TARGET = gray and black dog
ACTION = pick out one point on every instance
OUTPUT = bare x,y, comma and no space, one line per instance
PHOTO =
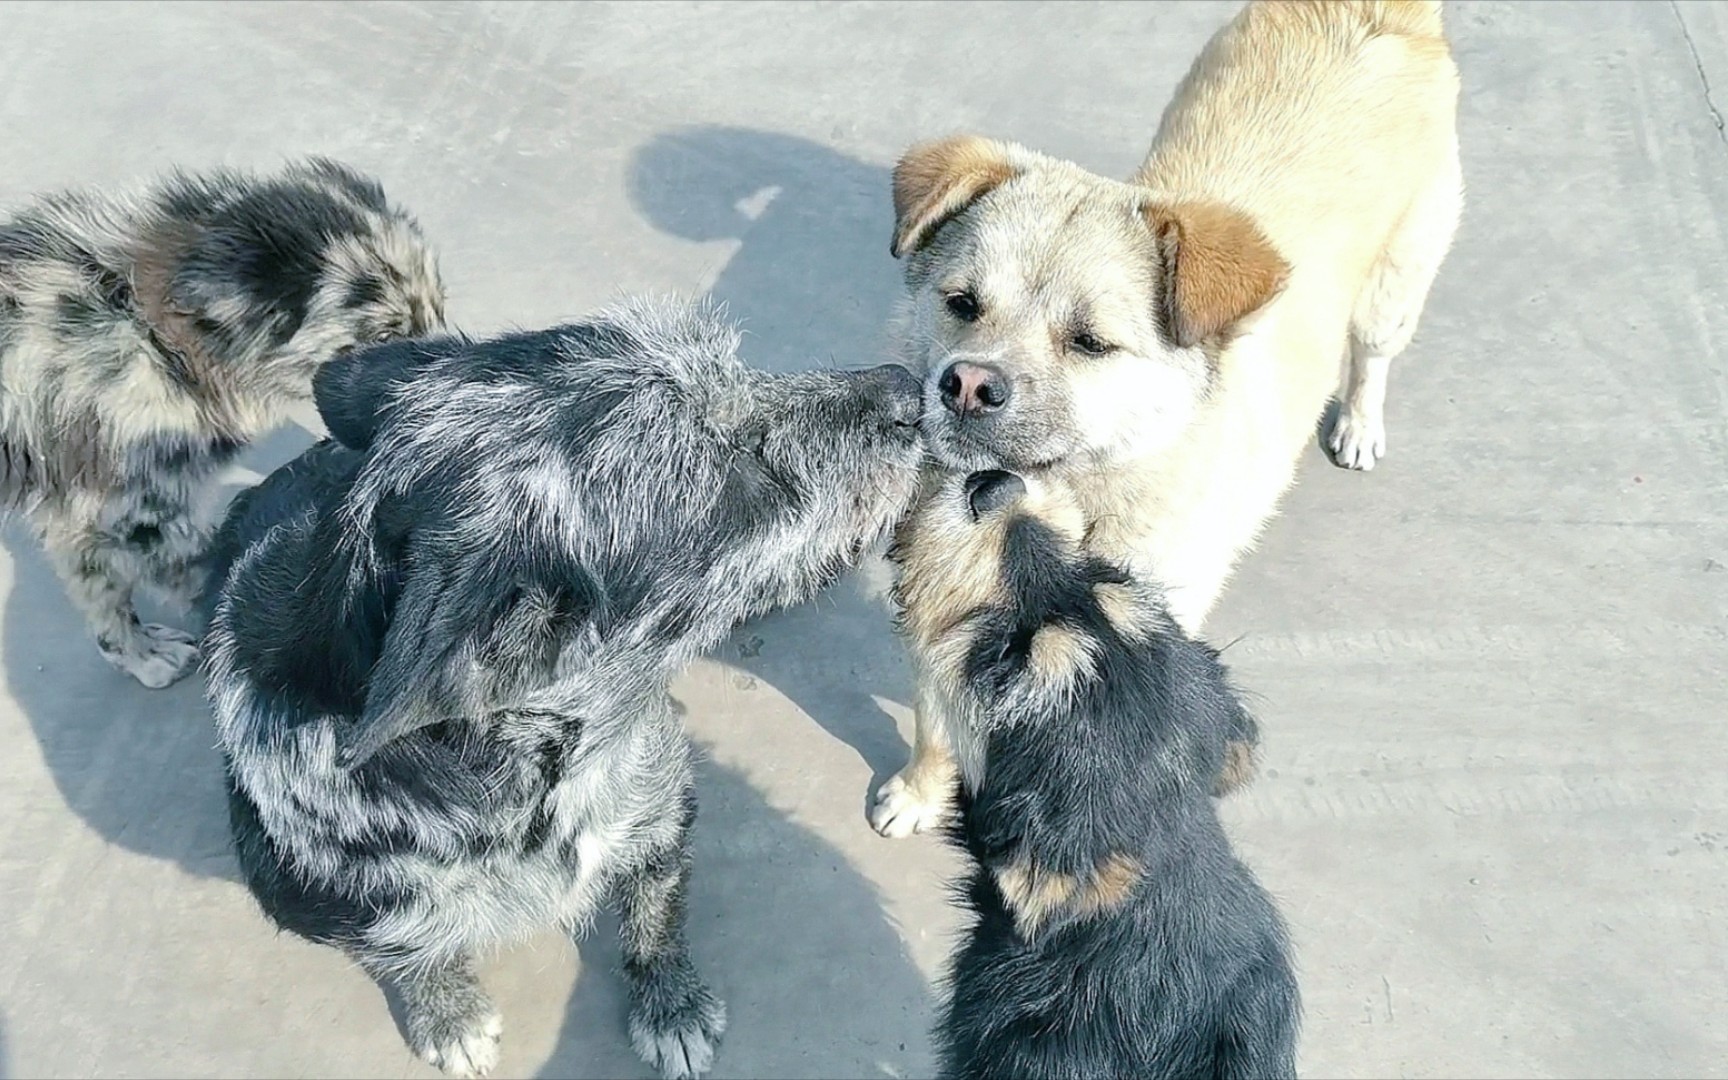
440,646
145,340
1115,934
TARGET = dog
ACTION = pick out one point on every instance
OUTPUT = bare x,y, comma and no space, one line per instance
440,644
1114,934
145,340
1166,346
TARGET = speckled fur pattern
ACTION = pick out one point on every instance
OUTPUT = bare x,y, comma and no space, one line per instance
441,644
145,339
1113,933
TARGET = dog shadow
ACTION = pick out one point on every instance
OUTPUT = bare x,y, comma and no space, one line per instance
816,980
138,766
811,280
813,284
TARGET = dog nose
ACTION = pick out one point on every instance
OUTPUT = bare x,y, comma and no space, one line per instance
897,389
970,389
992,490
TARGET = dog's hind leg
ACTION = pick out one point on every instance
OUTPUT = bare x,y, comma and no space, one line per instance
451,1022
919,796
1257,1040
100,557
1386,314
675,1020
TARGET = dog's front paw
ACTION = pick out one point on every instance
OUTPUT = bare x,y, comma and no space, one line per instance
1357,440
679,1036
157,657
462,1044
903,808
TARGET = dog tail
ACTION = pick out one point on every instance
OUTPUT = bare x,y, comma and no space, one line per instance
1412,18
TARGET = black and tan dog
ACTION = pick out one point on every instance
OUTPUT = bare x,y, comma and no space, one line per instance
1116,933
146,339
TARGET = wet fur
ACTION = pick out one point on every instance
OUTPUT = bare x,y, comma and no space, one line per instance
1114,933
441,644
146,339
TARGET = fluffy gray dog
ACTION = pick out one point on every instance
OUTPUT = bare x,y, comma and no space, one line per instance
145,340
440,648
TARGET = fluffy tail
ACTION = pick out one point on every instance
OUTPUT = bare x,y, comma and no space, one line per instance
1415,18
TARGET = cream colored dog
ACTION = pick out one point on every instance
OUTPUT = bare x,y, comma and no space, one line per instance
1165,346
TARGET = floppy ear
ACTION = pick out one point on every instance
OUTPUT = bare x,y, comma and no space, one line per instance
463,641
352,391
936,180
1219,268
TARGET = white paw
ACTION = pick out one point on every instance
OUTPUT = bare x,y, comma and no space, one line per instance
901,809
682,1053
1357,441
161,657
471,1052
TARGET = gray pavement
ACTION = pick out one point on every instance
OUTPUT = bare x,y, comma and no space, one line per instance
1491,672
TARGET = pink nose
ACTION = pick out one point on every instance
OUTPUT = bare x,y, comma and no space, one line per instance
970,389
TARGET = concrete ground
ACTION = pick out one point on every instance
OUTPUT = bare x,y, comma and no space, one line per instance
1491,672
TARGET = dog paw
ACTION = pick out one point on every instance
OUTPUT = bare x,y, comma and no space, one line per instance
901,809
679,1040
1357,441
466,1046
159,656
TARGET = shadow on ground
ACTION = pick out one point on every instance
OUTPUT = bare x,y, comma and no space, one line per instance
815,979
137,766
813,284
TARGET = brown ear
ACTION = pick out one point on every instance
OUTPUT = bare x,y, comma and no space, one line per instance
936,180
1219,268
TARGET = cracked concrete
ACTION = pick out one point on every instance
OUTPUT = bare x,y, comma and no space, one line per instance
1491,672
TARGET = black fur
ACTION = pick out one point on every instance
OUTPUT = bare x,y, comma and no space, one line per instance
1185,975
441,642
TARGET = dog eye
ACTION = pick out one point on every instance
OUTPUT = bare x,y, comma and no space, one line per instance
963,305
754,443
1090,344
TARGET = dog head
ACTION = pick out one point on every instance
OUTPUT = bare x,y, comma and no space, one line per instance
1018,623
997,591
537,504
1058,315
276,275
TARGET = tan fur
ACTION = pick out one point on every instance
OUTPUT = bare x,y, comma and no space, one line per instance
1218,268
1240,765
938,179
1036,895
1298,200
1060,655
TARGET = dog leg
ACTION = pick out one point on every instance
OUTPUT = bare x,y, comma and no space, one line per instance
99,568
919,796
451,1022
1386,315
1258,1038
675,1020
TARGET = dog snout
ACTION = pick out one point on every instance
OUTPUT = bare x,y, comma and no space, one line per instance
992,490
973,390
897,390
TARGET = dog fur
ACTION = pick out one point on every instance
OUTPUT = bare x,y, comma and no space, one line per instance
441,646
1165,346
144,341
1114,934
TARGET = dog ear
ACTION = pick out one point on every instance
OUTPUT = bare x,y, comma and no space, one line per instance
463,641
934,181
353,390
1219,268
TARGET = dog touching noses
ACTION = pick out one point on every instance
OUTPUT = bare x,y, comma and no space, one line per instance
897,389
992,490
970,389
